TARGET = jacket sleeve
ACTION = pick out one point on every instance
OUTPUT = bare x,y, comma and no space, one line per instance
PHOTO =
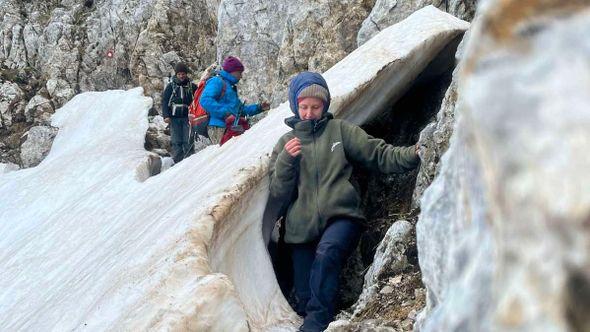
165,98
374,153
282,172
252,109
209,98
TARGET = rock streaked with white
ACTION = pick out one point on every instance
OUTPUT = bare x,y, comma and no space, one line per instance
277,39
503,237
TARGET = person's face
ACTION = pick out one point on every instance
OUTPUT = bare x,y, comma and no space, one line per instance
181,75
311,108
237,74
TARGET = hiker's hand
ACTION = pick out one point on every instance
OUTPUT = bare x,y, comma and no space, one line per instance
265,106
417,149
167,120
293,147
191,117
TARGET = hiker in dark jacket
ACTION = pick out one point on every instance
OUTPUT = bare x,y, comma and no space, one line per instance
176,99
310,169
220,98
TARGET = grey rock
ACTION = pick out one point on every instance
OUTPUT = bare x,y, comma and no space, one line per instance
156,139
503,230
386,290
389,258
39,110
364,326
389,12
276,39
68,42
37,145
11,103
60,91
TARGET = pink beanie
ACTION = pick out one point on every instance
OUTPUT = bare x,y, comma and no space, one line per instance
232,64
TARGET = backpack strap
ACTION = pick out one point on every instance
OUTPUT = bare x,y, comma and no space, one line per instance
173,94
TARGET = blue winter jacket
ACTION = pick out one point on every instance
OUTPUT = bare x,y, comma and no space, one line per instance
218,107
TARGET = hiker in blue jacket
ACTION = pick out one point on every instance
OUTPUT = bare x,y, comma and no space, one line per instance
220,98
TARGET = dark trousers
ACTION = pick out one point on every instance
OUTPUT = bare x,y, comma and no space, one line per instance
179,138
317,269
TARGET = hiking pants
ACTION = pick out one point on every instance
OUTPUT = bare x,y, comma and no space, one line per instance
317,269
179,138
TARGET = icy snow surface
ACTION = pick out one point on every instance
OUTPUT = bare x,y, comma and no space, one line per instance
84,245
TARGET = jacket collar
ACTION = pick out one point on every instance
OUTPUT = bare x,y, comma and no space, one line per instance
228,77
308,127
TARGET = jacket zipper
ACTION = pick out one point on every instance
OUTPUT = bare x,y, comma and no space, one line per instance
317,187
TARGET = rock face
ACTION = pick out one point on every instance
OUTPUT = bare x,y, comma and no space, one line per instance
37,145
435,138
276,39
11,103
388,12
390,259
60,48
39,110
98,45
503,237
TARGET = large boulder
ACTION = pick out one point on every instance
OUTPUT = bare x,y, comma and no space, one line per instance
503,237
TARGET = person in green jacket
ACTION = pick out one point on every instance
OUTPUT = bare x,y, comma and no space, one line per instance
310,172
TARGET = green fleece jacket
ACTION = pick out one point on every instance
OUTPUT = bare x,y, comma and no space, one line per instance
315,186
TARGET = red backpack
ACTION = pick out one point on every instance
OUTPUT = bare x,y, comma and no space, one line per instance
196,113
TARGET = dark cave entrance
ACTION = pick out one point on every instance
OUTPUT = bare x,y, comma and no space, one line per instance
388,198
